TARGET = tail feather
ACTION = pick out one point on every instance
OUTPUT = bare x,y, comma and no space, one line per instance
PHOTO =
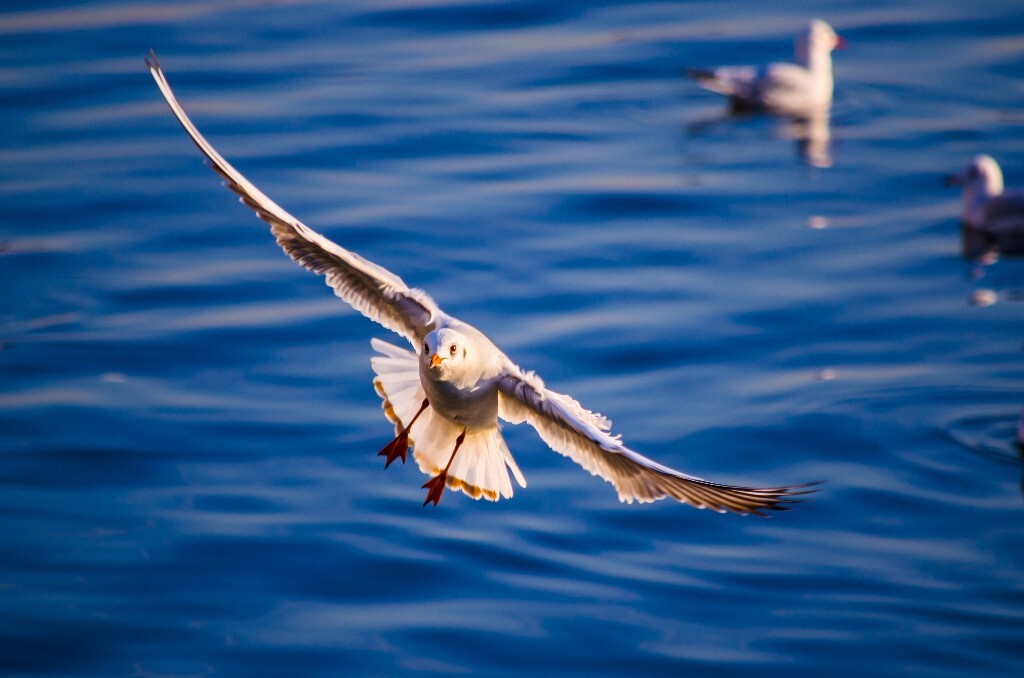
397,382
742,82
481,467
711,79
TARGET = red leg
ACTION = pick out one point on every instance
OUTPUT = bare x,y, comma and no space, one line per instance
399,447
435,486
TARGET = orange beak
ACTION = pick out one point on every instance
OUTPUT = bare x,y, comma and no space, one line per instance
436,360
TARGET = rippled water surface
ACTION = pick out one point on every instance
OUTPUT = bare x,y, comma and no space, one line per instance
188,479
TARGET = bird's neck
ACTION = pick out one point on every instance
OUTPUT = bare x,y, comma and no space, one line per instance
819,63
993,185
820,67
974,199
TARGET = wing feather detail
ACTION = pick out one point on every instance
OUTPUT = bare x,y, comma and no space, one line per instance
372,290
585,437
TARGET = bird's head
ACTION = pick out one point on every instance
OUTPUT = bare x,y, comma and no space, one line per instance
819,39
982,175
981,179
444,351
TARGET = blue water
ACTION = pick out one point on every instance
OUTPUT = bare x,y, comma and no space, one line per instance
188,479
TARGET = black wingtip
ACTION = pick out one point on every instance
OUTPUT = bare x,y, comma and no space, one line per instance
806,488
699,73
785,498
797,491
151,61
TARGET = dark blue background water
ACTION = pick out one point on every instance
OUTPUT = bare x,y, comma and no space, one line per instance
188,479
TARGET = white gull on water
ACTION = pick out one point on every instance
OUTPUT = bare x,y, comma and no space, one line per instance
781,87
446,395
985,205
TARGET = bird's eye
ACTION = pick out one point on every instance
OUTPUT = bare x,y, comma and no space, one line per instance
454,349
426,348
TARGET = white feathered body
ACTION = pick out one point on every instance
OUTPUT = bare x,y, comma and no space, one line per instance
404,380
467,396
780,87
777,87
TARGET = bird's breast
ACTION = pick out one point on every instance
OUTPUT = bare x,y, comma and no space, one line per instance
473,407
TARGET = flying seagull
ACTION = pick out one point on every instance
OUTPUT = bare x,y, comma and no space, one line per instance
446,395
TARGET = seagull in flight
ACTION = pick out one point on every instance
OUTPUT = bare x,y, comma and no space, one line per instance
446,395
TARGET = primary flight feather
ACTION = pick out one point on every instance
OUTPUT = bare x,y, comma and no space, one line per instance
446,395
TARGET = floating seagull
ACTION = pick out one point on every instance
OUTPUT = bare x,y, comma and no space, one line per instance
781,87
985,206
446,395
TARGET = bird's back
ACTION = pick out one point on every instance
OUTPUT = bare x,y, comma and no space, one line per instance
1004,213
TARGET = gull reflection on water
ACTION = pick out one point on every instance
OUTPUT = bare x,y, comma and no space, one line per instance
986,246
813,137
984,250
809,128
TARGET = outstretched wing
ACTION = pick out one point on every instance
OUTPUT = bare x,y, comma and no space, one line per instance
372,290
586,438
